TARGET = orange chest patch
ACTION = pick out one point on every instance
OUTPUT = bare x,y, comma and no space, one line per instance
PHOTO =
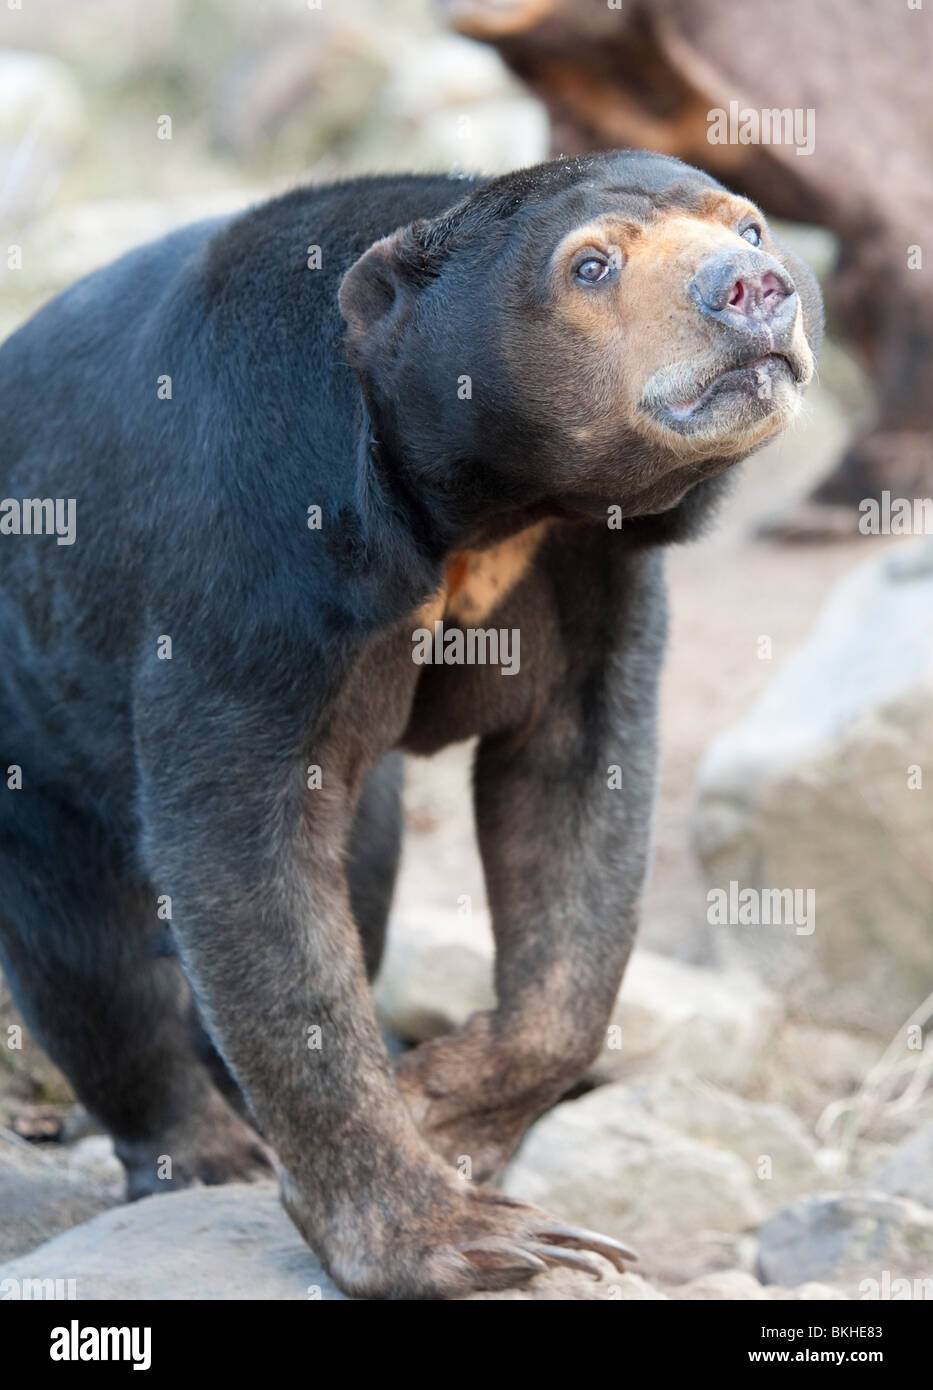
476,581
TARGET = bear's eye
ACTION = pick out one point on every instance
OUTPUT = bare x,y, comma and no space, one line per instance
752,234
592,270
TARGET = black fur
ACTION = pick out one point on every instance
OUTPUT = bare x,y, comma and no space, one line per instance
291,647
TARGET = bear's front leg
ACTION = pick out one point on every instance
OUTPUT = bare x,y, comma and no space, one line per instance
563,813
261,912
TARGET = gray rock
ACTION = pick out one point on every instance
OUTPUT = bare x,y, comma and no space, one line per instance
777,1147
436,972
671,1016
847,1239
233,1243
94,1154
811,792
907,1171
41,1195
230,1242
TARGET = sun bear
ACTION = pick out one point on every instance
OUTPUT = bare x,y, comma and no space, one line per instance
292,440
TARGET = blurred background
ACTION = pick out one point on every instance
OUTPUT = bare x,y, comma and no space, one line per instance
797,743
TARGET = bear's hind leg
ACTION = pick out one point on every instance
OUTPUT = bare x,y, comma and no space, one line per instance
82,951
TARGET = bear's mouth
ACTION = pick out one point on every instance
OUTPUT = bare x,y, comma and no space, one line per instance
760,374
733,398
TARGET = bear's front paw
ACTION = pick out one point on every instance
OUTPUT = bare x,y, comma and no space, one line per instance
444,1240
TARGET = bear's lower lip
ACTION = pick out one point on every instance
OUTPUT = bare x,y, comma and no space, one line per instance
747,376
740,387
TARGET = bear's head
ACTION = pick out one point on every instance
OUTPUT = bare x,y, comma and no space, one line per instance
608,331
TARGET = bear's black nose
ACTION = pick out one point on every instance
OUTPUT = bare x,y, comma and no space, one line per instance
736,286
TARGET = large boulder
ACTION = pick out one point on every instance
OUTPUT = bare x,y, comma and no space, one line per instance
825,788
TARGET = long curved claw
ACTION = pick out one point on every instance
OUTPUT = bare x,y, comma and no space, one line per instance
576,1238
574,1259
500,1255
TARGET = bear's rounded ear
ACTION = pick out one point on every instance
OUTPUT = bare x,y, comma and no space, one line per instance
381,281
369,288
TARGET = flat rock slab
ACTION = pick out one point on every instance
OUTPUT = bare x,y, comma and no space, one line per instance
232,1242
